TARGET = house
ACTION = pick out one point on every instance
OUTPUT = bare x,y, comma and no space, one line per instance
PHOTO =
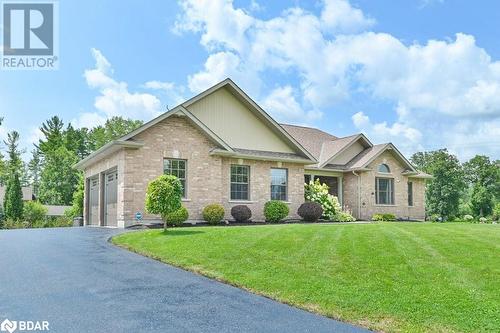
226,149
27,191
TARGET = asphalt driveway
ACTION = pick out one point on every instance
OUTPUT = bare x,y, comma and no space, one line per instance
79,282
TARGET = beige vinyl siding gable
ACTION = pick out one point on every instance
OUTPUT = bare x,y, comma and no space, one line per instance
234,123
348,154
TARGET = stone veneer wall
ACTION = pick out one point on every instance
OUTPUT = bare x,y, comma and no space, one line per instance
367,179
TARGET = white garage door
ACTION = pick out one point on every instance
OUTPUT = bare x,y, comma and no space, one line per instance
110,198
94,201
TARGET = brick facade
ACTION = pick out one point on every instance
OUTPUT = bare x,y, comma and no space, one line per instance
367,191
208,176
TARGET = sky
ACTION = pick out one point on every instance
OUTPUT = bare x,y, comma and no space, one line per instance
422,74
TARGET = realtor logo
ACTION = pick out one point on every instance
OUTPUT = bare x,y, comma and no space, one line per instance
29,35
8,326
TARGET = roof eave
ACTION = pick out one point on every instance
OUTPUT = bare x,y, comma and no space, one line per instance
233,154
106,150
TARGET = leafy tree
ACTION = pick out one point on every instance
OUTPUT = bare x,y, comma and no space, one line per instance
444,190
113,129
13,200
481,200
163,196
77,206
483,177
77,141
58,179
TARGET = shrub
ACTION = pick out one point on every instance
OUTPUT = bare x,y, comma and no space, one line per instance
496,212
384,217
241,213
163,196
310,211
435,218
178,217
34,211
275,210
344,217
317,192
213,213
14,224
468,218
483,219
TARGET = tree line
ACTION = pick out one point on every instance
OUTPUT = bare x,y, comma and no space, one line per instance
50,169
459,189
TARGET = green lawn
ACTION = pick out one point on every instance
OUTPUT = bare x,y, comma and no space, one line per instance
387,276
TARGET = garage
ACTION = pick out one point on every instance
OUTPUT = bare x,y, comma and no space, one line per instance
94,201
110,198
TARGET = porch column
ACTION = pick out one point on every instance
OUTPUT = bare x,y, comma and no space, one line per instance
340,179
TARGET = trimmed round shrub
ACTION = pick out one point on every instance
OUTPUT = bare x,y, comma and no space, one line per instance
213,213
310,211
177,218
275,211
241,213
163,195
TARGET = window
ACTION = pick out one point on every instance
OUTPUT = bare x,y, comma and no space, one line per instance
279,183
176,168
240,178
384,191
410,193
384,168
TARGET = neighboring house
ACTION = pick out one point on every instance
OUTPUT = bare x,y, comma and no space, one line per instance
226,149
28,193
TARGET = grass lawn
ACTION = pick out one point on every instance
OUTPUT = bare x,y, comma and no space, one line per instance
409,277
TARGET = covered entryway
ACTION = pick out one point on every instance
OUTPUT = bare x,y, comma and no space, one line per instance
334,183
110,198
93,213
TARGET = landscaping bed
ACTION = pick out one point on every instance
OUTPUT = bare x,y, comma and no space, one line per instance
385,276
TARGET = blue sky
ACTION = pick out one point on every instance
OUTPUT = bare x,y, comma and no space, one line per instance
421,74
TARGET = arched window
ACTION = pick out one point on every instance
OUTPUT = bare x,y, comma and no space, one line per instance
384,168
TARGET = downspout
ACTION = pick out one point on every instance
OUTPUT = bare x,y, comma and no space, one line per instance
359,194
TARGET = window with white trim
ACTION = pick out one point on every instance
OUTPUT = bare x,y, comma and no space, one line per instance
279,184
176,167
384,191
240,180
384,168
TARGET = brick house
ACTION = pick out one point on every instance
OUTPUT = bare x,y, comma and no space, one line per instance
226,149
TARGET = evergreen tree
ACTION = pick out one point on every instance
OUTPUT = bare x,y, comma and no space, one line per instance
35,170
52,131
13,201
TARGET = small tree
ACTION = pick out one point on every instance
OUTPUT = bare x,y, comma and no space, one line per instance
163,196
13,201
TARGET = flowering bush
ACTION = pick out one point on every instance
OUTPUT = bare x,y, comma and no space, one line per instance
468,218
317,192
483,219
344,217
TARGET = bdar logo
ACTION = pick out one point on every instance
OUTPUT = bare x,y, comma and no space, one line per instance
8,326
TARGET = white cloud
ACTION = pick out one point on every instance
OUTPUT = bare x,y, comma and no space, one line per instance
115,98
283,106
173,92
88,120
338,16
334,57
